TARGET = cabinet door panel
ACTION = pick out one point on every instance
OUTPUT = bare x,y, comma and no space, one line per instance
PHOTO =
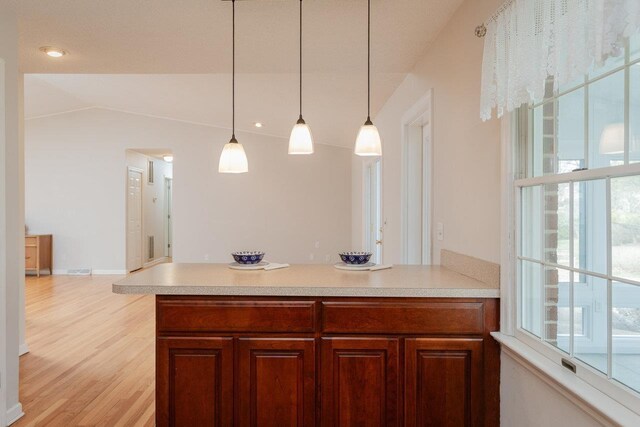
443,382
276,381
360,382
194,381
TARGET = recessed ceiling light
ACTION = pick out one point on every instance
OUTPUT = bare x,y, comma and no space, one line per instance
53,52
168,158
258,124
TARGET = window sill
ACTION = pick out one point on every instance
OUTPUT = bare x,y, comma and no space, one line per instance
593,401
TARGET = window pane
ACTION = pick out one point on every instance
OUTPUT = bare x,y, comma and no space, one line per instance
530,291
556,293
634,113
530,234
611,63
625,227
626,334
606,121
570,128
635,47
591,347
557,220
590,226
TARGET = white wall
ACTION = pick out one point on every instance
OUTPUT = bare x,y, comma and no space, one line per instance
11,224
527,401
75,189
466,151
153,201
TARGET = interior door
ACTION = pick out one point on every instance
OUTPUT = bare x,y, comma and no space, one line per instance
134,220
169,223
373,210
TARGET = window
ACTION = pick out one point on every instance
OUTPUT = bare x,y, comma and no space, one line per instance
578,228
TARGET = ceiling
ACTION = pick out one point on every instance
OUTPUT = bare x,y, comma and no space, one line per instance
172,58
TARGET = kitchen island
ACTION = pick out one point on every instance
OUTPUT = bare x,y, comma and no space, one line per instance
312,345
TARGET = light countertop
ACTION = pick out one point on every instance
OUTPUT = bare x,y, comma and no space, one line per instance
304,280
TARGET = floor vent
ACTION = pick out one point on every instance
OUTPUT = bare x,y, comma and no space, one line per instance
79,272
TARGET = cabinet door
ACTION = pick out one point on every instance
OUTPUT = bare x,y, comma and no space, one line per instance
276,382
360,384
194,381
443,382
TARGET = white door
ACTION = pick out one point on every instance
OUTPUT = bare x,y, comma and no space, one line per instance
373,210
134,220
417,192
169,220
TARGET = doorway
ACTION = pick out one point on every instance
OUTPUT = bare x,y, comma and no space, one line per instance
374,227
168,196
416,183
134,219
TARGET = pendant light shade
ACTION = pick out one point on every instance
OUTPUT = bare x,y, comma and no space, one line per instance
368,142
301,140
233,158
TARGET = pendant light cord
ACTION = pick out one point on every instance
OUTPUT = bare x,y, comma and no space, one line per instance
233,70
300,59
369,60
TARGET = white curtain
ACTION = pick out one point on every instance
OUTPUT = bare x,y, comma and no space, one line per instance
529,40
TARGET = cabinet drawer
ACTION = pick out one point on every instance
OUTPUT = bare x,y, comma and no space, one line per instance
30,240
235,316
30,256
439,318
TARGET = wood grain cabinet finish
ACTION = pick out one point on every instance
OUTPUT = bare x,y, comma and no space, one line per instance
443,382
267,361
276,382
38,253
360,384
194,382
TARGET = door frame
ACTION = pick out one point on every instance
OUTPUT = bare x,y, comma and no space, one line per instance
421,111
369,243
3,247
168,222
126,216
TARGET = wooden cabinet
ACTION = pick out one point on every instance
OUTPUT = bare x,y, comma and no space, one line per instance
245,361
194,382
443,382
276,382
38,253
360,384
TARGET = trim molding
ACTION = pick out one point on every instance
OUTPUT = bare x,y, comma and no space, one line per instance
592,401
156,261
23,349
14,414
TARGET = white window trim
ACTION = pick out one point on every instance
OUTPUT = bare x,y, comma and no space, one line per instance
608,402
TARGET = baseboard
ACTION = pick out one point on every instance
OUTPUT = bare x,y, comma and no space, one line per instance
14,414
108,272
156,261
23,349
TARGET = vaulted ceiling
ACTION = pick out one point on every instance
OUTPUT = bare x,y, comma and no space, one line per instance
172,58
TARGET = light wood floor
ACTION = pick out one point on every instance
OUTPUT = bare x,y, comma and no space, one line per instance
91,354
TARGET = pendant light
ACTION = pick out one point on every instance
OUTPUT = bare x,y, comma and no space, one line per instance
233,158
301,141
368,141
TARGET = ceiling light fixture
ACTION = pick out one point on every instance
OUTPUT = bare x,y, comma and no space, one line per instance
301,140
233,158
53,52
258,124
368,141
168,158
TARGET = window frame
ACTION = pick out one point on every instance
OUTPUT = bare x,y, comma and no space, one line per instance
521,175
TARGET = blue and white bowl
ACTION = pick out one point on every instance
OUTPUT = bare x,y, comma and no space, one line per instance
355,258
248,257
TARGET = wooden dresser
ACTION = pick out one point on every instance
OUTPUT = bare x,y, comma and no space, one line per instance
38,254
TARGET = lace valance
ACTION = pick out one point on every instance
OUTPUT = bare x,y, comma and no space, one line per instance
529,40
